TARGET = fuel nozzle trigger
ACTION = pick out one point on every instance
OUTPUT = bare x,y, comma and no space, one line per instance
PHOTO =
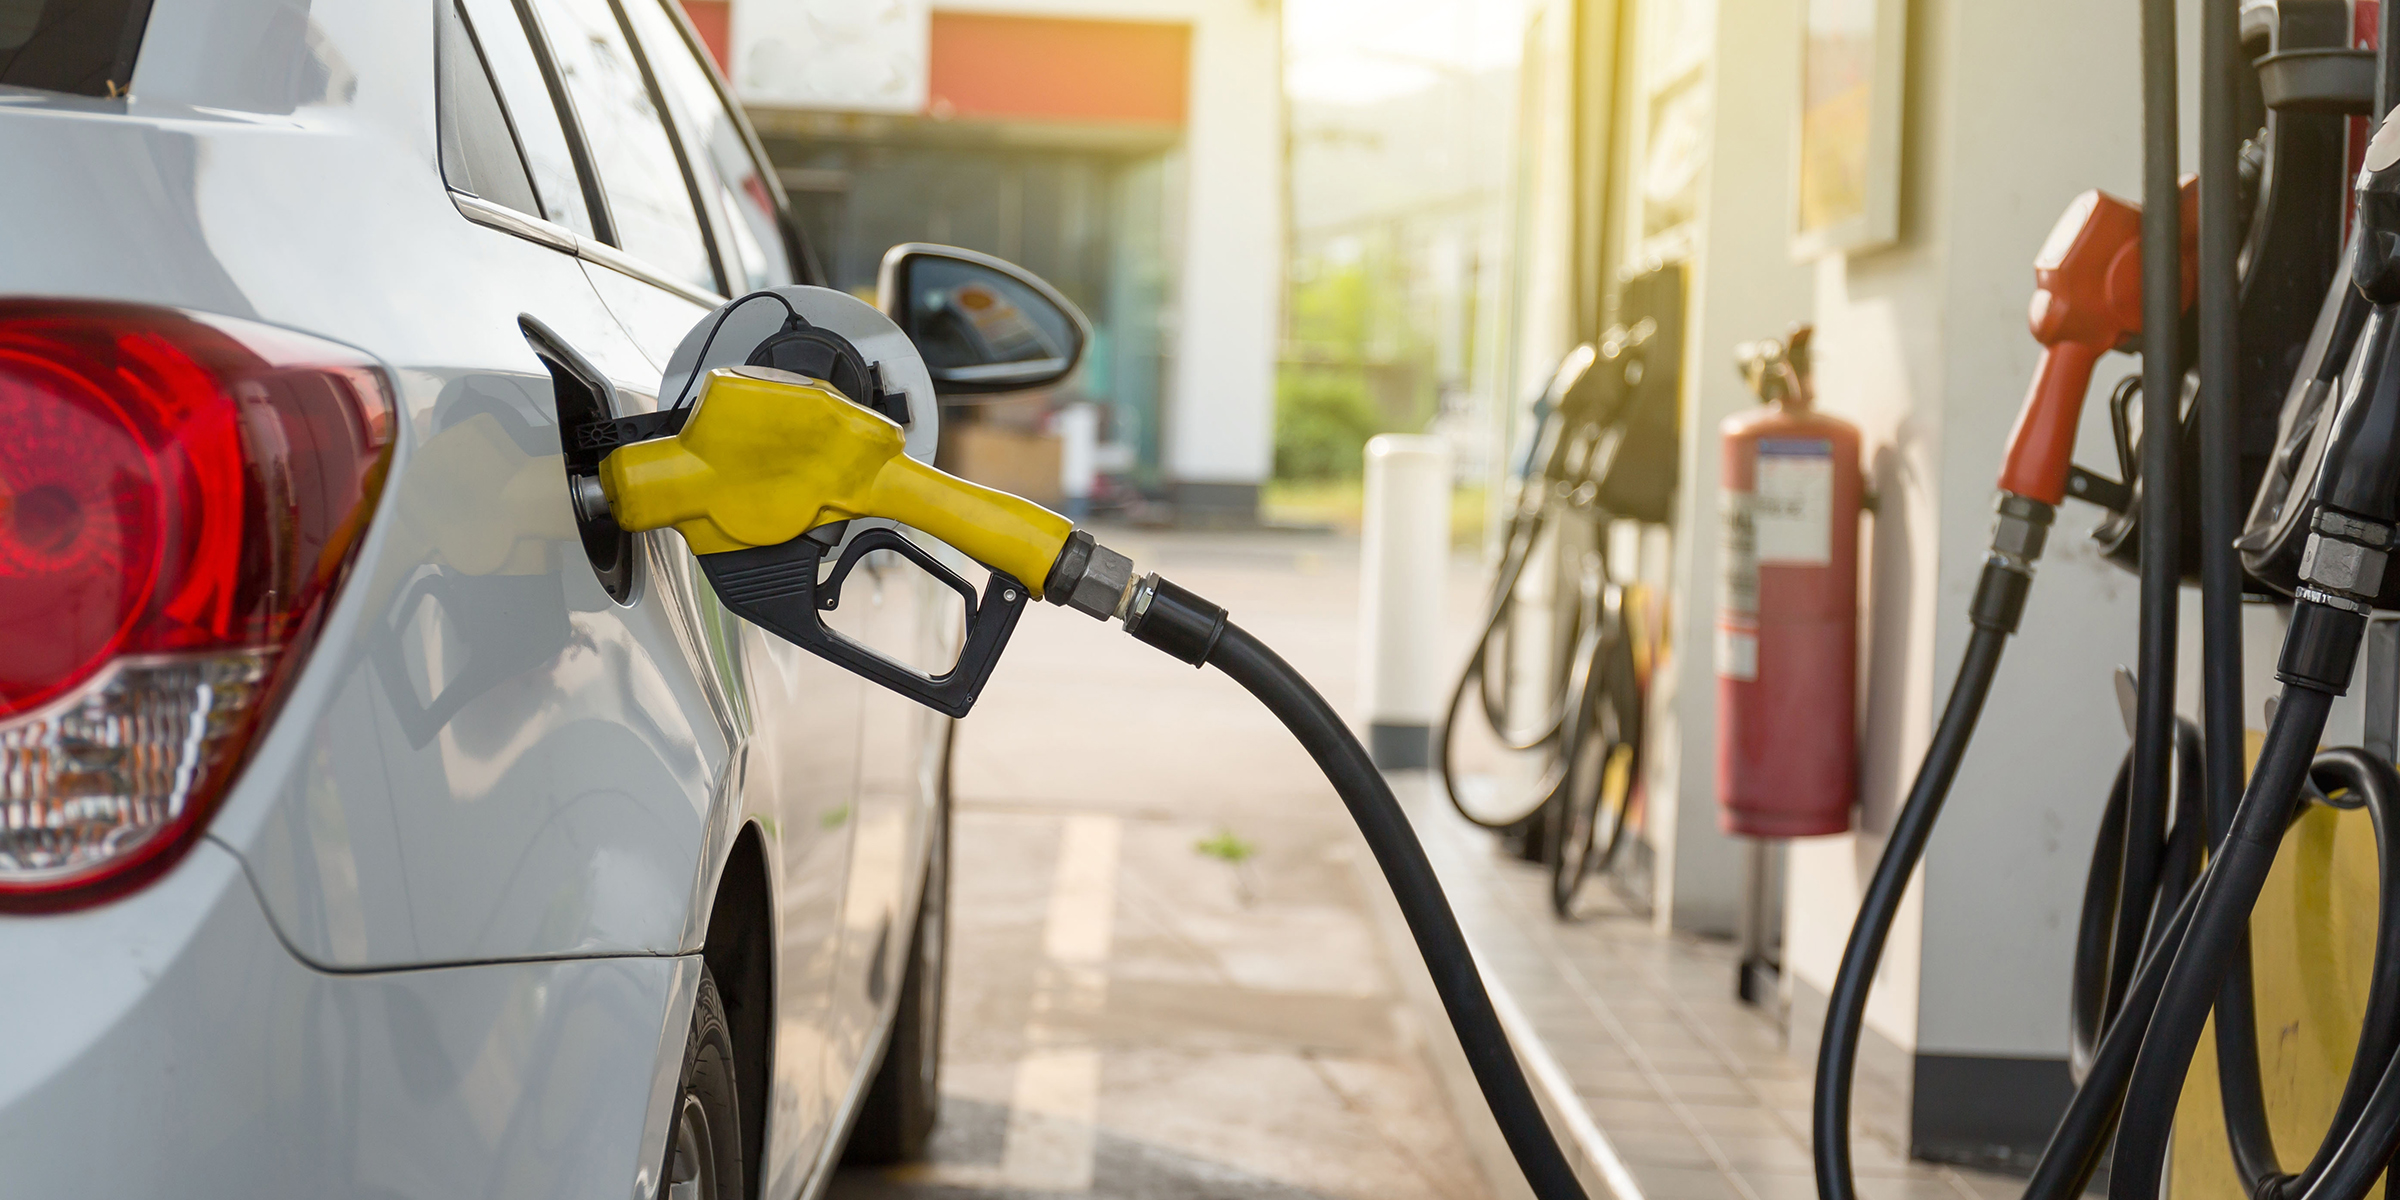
778,588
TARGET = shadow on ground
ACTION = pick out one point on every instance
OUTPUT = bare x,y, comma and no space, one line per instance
971,1134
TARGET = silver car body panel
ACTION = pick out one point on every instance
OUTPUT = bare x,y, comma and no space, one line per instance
447,919
228,1068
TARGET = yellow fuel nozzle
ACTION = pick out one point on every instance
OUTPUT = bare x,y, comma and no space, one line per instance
768,455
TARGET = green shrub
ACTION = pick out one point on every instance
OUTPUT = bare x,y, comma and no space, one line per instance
1322,422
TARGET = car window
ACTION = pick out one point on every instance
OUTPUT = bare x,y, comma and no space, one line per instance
85,48
479,153
649,202
524,94
745,209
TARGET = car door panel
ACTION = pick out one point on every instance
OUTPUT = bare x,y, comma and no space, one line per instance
654,318
486,758
543,758
802,778
911,617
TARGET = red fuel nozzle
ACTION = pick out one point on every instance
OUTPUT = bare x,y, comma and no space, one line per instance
2087,301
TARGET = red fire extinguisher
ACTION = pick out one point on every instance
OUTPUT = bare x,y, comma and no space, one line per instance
1787,611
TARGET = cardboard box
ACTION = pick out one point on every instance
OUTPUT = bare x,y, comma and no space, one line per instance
1014,461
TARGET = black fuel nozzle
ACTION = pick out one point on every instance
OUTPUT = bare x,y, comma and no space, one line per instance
2361,478
2356,505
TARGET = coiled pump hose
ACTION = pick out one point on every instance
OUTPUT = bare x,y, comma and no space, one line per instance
1517,545
2188,953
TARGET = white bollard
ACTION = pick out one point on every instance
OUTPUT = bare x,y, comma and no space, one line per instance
1405,562
1078,429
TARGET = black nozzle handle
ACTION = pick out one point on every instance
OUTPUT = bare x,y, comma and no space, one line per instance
776,588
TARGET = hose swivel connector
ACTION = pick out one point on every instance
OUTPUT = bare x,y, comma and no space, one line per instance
1174,619
2345,557
2020,531
2017,539
2341,570
1090,578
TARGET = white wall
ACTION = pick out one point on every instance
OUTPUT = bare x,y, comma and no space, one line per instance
1879,351
1743,285
1220,424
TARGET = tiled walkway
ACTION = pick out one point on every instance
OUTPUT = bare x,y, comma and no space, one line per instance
1688,1091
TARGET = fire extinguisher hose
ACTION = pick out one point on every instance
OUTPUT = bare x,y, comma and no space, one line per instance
1192,629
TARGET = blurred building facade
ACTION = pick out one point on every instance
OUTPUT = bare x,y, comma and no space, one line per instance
1129,151
1664,133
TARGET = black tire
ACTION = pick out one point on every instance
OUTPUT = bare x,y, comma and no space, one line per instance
704,1138
904,1101
1602,762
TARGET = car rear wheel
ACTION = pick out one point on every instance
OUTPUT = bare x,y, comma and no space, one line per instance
898,1113
704,1145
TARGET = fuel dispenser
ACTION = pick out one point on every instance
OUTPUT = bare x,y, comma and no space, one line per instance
1604,448
2187,847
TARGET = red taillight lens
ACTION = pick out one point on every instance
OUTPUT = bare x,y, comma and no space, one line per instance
179,497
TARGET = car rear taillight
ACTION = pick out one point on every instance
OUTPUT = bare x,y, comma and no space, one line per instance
180,495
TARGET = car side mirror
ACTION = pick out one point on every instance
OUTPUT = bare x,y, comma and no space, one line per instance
983,324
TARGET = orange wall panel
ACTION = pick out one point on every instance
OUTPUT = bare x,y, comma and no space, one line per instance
1040,68
713,21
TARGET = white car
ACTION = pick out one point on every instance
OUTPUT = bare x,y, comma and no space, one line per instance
371,825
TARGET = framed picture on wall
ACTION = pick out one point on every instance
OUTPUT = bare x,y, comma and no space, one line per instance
1847,194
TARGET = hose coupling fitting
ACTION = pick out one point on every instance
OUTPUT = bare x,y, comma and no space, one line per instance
2019,532
2346,556
2341,571
1090,578
1174,619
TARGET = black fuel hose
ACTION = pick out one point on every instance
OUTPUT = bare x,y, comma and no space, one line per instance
2370,1102
2219,924
1524,532
2162,492
1175,620
2221,218
2112,916
1846,1005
